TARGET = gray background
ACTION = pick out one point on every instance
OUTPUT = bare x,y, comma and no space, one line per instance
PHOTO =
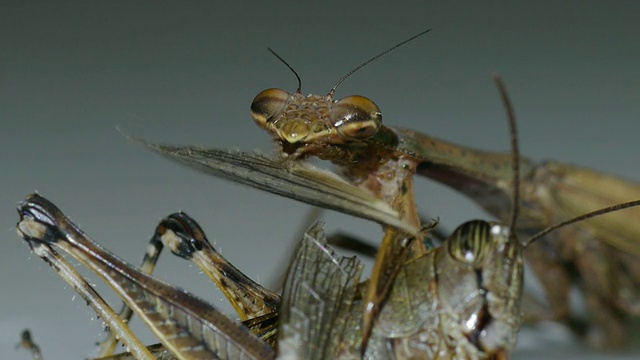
71,72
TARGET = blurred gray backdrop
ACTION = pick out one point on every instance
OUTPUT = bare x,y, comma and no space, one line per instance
72,72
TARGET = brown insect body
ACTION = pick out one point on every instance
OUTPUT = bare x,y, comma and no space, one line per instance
603,252
307,325
461,300
599,255
344,132
466,294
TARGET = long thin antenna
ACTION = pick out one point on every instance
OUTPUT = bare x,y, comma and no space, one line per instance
515,152
581,218
290,68
333,89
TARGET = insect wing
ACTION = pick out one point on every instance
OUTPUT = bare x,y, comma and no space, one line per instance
319,318
294,180
578,190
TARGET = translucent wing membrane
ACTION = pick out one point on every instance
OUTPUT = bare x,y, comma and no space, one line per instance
318,301
295,180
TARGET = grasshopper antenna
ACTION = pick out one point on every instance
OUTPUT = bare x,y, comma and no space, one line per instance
581,218
290,68
515,158
333,89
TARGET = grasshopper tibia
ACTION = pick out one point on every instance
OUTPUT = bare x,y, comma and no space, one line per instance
187,326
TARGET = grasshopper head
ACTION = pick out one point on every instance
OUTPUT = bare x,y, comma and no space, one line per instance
486,285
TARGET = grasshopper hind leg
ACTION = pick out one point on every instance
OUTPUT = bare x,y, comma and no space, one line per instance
184,237
188,327
108,346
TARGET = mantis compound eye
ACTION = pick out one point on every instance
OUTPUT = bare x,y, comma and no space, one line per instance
356,117
268,104
468,242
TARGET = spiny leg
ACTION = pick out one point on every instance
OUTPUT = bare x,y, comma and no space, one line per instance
189,327
152,254
68,273
184,237
255,304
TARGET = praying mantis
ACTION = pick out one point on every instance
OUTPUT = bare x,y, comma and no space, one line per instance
600,256
42,225
408,135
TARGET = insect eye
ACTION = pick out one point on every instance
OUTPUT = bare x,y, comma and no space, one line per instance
356,117
267,104
468,242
